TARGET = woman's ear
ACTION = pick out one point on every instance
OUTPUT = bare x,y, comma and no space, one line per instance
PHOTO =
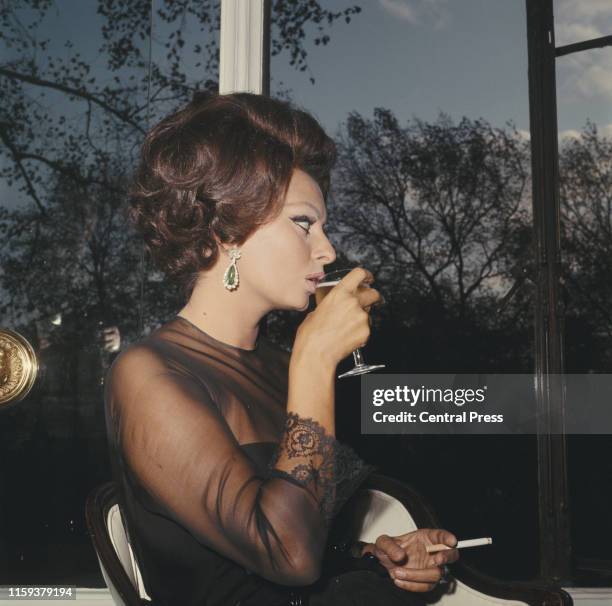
221,246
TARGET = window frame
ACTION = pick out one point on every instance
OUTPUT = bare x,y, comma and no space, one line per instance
244,47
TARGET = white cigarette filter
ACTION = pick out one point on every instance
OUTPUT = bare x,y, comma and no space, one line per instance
460,544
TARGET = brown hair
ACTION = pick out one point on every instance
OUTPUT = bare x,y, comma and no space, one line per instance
220,166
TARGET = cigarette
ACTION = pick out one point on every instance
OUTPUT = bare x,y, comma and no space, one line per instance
460,544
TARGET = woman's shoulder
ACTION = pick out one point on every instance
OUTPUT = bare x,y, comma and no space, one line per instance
153,352
143,365
140,355
136,364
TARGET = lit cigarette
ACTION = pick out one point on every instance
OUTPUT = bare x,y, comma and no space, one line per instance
460,544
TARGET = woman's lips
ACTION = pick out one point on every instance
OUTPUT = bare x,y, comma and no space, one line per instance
318,276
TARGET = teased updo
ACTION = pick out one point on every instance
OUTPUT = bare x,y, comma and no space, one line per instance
220,166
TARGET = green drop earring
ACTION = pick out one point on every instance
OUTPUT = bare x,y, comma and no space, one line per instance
231,277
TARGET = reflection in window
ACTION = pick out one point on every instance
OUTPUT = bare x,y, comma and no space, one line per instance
585,171
81,87
428,103
79,94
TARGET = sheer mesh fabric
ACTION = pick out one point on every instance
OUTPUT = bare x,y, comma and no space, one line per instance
182,410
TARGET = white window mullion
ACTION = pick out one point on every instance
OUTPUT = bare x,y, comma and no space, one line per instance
243,61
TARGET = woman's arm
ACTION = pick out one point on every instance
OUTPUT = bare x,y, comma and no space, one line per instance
180,448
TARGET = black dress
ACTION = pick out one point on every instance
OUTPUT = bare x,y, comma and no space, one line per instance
220,488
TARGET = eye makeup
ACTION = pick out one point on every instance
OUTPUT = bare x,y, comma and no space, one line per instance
303,219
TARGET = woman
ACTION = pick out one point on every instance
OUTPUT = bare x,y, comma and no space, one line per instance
222,444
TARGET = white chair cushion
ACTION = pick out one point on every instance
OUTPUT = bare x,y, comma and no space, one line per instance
379,513
123,549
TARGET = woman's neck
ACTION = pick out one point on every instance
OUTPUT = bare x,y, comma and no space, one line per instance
231,317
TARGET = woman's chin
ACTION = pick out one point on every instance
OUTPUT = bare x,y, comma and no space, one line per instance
306,302
296,305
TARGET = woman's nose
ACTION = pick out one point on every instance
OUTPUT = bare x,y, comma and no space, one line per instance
326,251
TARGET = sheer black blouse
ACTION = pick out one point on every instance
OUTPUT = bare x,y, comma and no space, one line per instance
227,499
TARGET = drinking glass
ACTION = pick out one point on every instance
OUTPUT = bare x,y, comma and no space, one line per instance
327,282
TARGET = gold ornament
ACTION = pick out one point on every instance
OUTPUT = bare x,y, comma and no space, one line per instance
18,367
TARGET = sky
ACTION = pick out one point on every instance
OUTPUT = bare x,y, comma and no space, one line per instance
463,57
414,57
418,57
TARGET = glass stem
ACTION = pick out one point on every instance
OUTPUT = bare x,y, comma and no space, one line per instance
357,357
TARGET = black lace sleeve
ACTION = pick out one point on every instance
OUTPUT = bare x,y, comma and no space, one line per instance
177,444
329,470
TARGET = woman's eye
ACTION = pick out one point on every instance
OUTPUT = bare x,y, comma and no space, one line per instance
303,220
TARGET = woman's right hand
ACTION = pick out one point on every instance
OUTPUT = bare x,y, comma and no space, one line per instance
340,323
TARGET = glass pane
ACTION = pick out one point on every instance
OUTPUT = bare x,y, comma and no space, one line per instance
76,102
585,164
428,103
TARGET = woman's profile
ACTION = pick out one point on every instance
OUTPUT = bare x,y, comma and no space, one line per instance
222,445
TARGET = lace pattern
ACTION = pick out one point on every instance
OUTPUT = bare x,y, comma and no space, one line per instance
332,468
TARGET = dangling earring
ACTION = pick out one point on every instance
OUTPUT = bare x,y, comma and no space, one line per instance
231,277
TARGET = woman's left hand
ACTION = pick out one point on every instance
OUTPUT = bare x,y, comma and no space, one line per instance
407,560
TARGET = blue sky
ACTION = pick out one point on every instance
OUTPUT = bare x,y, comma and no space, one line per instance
415,57
463,57
470,62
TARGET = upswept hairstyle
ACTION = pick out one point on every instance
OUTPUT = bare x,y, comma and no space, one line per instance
220,166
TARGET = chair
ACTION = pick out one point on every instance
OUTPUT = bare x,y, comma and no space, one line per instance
115,556
382,505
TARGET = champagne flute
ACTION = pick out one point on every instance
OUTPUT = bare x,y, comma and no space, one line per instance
326,283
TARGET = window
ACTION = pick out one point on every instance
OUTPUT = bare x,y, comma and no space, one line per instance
585,172
429,105
76,103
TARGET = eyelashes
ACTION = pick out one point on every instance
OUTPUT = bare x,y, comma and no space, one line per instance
303,219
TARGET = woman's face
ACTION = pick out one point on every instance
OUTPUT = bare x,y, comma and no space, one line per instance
276,259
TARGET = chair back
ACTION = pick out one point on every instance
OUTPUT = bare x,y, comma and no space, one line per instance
384,505
113,550
376,512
